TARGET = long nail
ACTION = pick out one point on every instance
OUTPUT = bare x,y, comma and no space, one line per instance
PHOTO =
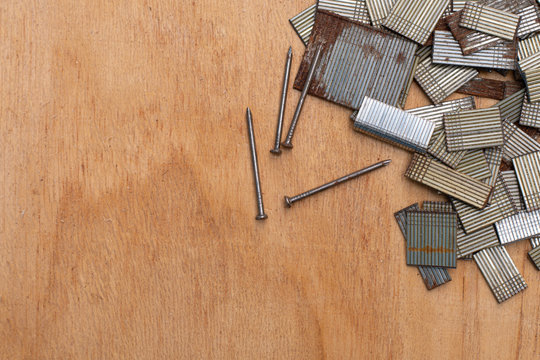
287,143
290,200
276,150
261,215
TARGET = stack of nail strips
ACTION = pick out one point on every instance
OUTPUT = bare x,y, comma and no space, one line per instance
365,54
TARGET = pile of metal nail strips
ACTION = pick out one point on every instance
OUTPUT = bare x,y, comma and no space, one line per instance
487,161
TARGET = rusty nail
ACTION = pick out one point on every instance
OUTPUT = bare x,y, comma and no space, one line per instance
290,200
287,143
276,150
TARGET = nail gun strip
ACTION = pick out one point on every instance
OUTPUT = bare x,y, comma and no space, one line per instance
446,51
529,21
438,149
501,206
530,114
435,113
490,21
511,182
510,107
352,9
528,46
433,276
468,244
303,23
448,181
521,226
440,81
415,19
470,41
517,142
394,125
354,59
473,129
474,164
431,238
501,274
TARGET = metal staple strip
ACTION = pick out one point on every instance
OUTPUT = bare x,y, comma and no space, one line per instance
489,20
529,21
354,59
532,79
446,51
415,19
527,169
378,10
510,107
528,46
438,149
394,125
431,238
501,274
470,41
473,129
501,206
517,142
467,244
352,9
511,182
530,114
435,113
440,81
474,164
303,23
535,242
436,175
431,275
521,226
534,254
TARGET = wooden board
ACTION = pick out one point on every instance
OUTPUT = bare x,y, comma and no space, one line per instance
127,223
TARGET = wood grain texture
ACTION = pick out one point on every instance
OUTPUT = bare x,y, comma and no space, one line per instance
127,223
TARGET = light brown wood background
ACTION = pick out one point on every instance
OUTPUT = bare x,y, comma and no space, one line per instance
127,225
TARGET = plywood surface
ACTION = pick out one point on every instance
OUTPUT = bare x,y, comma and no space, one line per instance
127,208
